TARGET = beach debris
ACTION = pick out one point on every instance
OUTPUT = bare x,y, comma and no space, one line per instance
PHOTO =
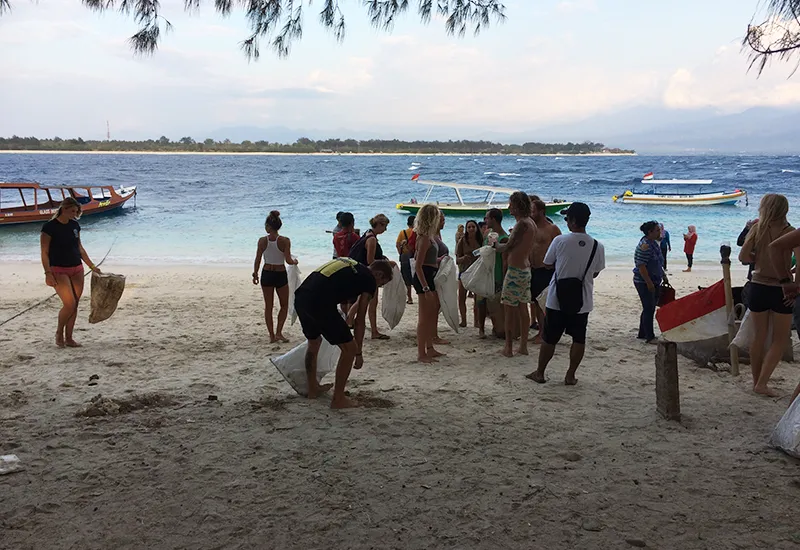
213,397
638,543
591,525
106,406
9,464
93,380
570,456
106,291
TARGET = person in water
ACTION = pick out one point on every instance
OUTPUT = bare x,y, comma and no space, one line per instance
62,259
366,251
316,300
516,294
276,252
426,266
465,257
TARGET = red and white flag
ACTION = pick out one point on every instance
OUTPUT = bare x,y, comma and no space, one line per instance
415,177
698,316
648,176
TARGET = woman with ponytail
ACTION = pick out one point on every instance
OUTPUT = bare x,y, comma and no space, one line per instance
277,252
62,257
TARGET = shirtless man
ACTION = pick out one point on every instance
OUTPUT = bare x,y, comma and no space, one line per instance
517,283
546,231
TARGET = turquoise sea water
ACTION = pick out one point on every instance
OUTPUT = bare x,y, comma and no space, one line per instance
210,209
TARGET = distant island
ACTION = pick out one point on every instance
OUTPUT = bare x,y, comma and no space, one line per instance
305,145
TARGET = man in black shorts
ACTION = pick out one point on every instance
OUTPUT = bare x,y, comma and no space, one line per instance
540,274
316,300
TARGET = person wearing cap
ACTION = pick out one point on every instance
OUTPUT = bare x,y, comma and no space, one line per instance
577,259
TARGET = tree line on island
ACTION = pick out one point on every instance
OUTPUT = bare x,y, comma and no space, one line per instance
306,145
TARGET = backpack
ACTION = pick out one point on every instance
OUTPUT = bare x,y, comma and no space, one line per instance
359,249
343,242
569,290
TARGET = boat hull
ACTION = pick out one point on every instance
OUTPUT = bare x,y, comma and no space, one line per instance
709,199
477,210
44,212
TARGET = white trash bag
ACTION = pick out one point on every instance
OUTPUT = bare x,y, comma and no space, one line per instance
786,436
393,301
479,278
295,278
446,283
292,364
747,331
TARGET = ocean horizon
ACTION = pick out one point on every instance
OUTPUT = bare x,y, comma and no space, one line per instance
210,208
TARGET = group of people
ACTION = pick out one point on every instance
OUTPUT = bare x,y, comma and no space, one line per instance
337,299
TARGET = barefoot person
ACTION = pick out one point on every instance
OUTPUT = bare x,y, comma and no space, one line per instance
516,294
469,243
648,273
406,253
277,252
316,301
578,259
546,231
766,300
791,288
426,266
62,254
366,251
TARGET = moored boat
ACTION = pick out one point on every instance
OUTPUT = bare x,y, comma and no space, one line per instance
27,202
463,207
680,193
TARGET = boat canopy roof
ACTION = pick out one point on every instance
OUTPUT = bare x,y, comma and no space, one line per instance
20,185
677,182
484,188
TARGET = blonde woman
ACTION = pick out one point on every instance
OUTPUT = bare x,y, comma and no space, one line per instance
772,270
365,251
62,257
426,257
277,252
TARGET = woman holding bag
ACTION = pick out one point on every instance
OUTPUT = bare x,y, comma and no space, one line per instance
469,243
648,275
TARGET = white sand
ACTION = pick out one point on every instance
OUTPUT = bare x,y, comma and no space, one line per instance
470,455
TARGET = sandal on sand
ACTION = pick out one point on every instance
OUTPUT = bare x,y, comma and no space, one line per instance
380,337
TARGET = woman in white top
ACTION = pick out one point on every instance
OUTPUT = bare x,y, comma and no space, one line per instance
277,252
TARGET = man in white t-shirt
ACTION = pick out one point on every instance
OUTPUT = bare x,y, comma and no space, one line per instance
571,256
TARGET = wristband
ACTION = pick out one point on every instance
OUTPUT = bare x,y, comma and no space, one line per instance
426,289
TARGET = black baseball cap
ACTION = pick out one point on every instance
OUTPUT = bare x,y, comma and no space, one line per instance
579,212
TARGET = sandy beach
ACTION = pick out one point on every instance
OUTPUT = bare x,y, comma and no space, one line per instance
463,454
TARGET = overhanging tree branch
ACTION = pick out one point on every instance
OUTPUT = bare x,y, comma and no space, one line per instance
778,35
280,22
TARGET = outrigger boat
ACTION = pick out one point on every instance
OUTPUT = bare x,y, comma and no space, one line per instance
30,202
464,208
674,192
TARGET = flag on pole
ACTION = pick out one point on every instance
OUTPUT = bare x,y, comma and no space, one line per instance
698,316
648,176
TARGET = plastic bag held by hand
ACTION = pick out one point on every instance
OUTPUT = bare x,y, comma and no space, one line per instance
479,278
292,365
295,278
393,301
106,291
446,283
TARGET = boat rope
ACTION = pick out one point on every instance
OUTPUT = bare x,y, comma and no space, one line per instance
37,304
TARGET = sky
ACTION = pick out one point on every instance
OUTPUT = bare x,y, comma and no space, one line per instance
67,70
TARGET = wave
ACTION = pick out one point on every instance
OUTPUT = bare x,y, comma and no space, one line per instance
502,174
523,160
787,171
412,167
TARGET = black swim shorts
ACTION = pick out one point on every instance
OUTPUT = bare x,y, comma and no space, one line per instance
556,323
320,319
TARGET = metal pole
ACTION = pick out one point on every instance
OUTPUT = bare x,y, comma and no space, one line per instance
725,254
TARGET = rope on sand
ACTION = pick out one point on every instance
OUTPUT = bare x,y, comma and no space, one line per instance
37,304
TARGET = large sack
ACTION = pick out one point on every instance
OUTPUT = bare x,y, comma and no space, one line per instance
747,331
295,278
393,301
106,291
292,365
446,283
786,436
479,277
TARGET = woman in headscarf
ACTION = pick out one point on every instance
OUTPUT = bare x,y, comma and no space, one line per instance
689,242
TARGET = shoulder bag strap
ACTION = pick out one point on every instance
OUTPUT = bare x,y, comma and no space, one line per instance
591,258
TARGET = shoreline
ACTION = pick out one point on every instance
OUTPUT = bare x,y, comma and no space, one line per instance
276,153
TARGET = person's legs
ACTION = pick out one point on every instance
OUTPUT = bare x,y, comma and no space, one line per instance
422,329
664,251
781,332
575,357
343,368
553,330
283,301
481,306
646,328
462,304
372,310
76,285
688,263
510,315
546,352
409,299
311,367
539,320
524,327
433,325
269,298
796,315
68,308
761,326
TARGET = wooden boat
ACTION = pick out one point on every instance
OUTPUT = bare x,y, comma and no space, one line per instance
477,209
679,192
23,202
